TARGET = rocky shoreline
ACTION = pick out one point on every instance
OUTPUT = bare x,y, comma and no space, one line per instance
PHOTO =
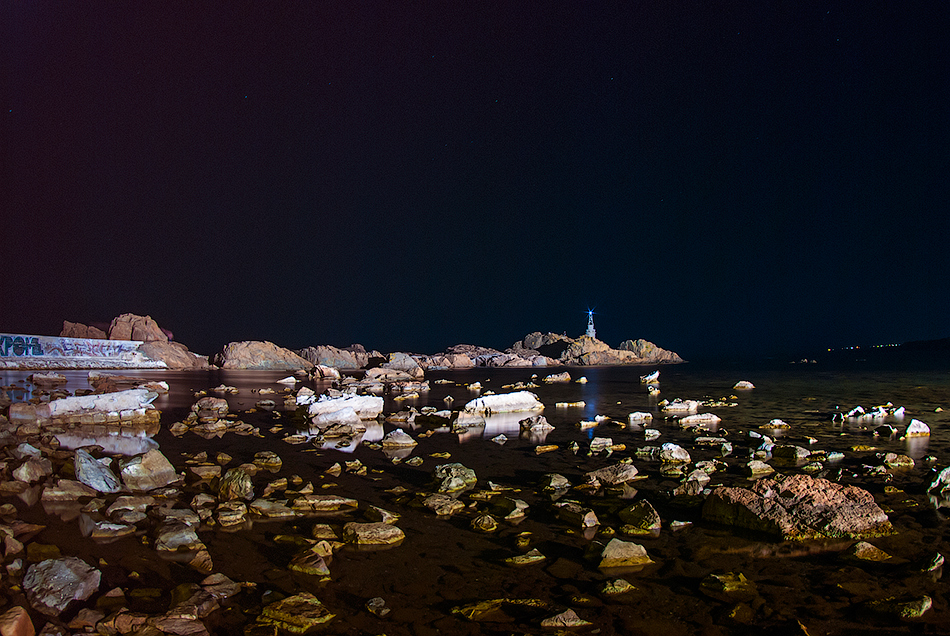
534,350
282,533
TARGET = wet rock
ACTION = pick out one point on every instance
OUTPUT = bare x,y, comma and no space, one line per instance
509,508
53,584
897,461
67,490
485,523
443,505
616,587
903,608
613,475
576,515
674,454
298,614
33,470
790,452
619,553
236,484
376,533
375,513
268,460
454,477
515,402
323,503
398,439
743,384
566,619
94,474
916,428
799,507
640,518
271,509
377,606
557,377
147,472
310,561
756,467
535,424
494,610
366,407
98,528
555,482
231,513
731,587
864,551
16,622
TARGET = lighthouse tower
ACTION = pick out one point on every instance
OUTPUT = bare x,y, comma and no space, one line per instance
591,332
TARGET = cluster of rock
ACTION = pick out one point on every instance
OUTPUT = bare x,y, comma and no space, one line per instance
156,345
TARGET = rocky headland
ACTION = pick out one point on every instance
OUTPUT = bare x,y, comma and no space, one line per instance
534,350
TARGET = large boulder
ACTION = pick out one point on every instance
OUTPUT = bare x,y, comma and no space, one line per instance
258,354
174,355
649,352
515,402
78,330
799,507
132,327
353,358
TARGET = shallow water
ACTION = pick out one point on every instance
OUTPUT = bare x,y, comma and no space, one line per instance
443,563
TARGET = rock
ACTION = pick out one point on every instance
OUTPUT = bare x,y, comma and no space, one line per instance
16,622
535,424
864,551
799,507
33,470
310,561
236,484
680,406
743,385
67,490
175,355
327,356
403,362
77,330
376,533
674,454
324,372
94,474
398,439
53,584
323,503
147,472
271,509
647,352
554,481
756,468
731,587
903,608
298,614
566,619
640,518
443,505
557,377
916,428
505,403
367,407
132,327
576,515
613,475
485,523
454,477
254,354
619,553
267,460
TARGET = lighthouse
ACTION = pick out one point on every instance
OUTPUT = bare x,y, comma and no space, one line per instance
591,332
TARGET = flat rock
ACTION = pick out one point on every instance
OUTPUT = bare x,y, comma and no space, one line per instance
799,507
53,584
147,472
375,533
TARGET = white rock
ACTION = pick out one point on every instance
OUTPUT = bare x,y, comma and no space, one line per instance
673,453
916,428
291,380
108,402
743,384
639,417
681,406
398,438
650,377
504,403
367,407
701,418
346,415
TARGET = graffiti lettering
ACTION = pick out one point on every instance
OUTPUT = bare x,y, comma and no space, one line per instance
20,346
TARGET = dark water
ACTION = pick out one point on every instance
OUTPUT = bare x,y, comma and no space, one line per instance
443,563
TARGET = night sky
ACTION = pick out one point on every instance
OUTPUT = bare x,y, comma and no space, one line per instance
717,177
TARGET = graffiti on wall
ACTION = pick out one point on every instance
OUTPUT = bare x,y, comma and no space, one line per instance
20,346
16,346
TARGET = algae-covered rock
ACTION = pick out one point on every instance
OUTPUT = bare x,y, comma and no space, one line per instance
296,614
454,477
730,587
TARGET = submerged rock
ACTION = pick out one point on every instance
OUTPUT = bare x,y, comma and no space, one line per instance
799,507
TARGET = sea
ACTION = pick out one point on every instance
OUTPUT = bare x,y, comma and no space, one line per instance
434,581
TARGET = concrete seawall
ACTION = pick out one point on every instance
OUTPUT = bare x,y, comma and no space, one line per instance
19,351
